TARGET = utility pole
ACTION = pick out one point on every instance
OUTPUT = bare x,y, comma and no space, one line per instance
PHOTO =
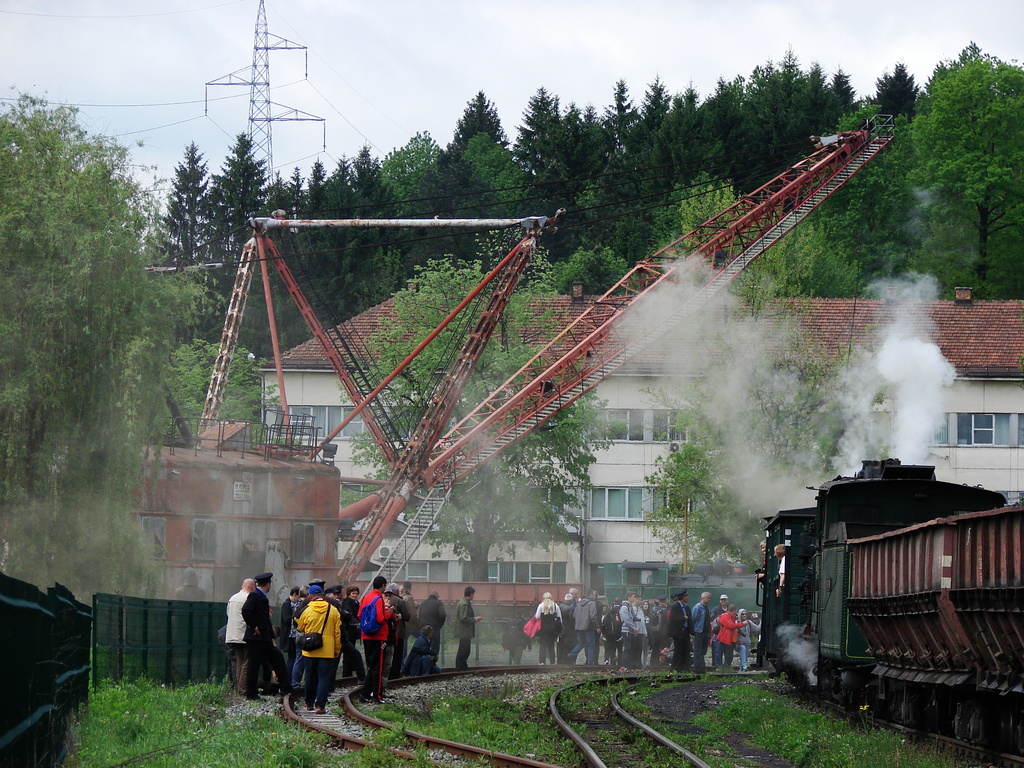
261,113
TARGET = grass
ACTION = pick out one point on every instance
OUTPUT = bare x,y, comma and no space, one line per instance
521,728
144,723
806,739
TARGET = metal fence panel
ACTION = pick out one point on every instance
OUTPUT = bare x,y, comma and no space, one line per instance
44,641
172,641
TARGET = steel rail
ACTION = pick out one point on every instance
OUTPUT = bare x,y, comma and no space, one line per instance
497,759
657,736
592,758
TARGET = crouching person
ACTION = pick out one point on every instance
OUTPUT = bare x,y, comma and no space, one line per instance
421,660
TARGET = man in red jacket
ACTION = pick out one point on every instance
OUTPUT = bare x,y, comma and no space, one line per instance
374,643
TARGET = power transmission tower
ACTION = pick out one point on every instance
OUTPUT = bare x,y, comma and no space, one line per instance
261,113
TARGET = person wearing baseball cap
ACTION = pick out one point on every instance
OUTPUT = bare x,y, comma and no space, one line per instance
716,613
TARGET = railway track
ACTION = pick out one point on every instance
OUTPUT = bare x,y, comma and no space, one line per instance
603,731
352,726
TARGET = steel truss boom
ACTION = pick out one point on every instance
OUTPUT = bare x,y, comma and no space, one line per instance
407,473
609,333
612,331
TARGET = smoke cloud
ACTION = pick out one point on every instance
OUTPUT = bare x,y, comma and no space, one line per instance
799,652
893,398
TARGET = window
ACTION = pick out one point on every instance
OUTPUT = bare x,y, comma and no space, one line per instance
637,425
983,429
424,570
665,429
625,424
327,417
303,550
154,530
526,573
618,503
204,540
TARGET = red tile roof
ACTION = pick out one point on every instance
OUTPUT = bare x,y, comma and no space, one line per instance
977,337
553,313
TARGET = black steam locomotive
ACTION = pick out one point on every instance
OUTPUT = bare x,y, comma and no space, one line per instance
905,595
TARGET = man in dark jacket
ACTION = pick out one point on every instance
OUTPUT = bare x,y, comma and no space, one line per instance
588,618
679,631
432,612
465,628
259,639
286,640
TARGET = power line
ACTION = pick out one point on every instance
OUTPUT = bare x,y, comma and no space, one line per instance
121,16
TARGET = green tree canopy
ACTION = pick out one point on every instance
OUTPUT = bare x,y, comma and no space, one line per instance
971,147
84,340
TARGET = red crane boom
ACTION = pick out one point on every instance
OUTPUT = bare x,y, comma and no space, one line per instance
609,333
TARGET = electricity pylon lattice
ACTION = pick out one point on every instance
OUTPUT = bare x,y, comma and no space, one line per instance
261,113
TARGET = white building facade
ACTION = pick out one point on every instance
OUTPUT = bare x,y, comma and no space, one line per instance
981,444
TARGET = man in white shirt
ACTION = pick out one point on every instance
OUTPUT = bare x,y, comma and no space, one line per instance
234,638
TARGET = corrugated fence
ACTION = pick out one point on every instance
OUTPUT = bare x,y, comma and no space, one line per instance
44,644
172,641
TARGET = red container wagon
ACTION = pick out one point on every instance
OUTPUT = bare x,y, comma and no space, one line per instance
941,605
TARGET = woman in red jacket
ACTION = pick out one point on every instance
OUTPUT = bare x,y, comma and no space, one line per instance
728,634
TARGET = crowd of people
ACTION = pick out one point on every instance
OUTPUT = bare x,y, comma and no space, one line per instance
638,634
380,635
387,633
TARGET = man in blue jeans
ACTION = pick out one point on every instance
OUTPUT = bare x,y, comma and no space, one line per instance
700,627
587,619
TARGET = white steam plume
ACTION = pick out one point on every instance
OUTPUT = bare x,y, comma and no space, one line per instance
909,371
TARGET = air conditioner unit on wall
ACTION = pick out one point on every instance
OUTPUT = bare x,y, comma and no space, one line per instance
383,553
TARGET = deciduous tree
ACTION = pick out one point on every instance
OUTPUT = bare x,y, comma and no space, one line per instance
85,336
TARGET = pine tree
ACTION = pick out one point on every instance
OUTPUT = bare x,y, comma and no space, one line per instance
896,93
187,222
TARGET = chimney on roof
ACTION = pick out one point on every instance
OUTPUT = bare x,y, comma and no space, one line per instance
577,291
410,286
963,295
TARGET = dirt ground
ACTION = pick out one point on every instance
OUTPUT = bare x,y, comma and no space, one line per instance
680,704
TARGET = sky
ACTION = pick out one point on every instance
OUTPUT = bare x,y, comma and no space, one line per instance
380,72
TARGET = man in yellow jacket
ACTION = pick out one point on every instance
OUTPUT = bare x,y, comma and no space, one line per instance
322,618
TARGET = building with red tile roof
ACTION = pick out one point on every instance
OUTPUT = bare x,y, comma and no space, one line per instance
981,443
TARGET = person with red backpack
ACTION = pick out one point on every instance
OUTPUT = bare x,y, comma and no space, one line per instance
374,614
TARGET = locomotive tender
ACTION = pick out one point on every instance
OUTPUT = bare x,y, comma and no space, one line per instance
906,595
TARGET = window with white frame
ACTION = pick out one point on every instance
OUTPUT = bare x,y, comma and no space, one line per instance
625,424
983,429
619,503
327,417
665,427
204,540
424,570
526,573
640,425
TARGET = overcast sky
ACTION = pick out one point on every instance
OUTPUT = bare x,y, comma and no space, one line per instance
379,72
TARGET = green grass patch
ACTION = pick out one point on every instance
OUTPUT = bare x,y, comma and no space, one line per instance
807,739
147,724
522,728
